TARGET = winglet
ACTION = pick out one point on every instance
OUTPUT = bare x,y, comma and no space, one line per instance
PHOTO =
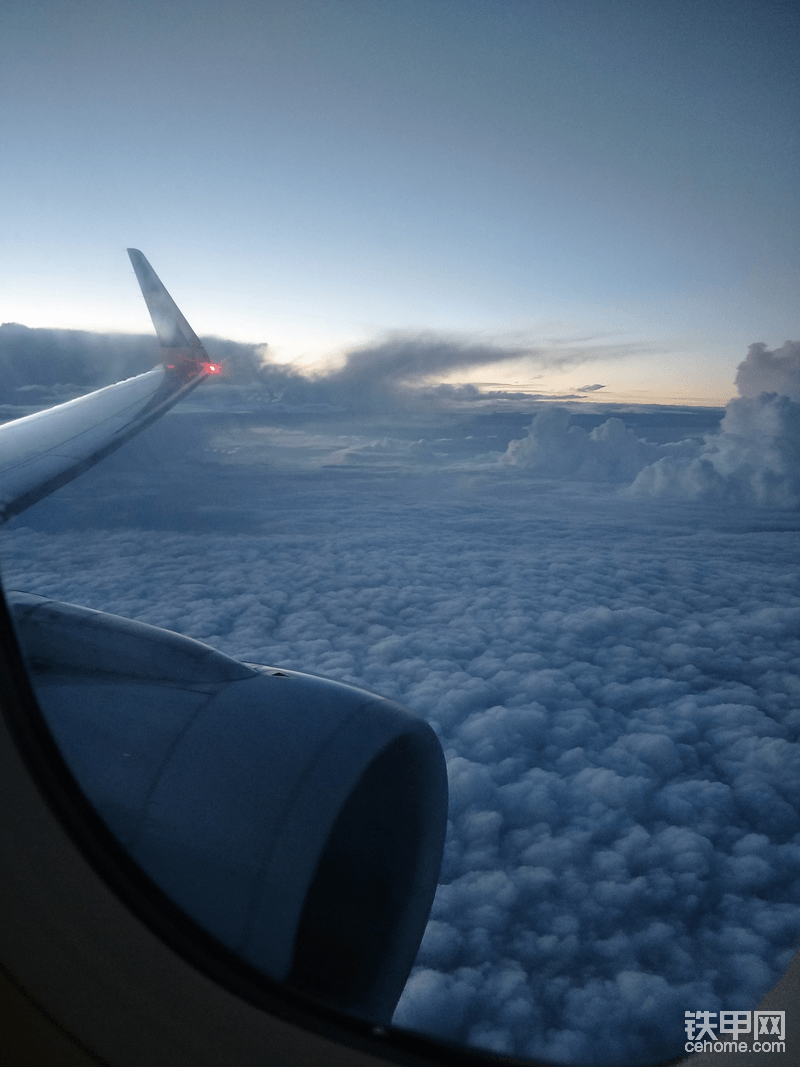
180,343
45,450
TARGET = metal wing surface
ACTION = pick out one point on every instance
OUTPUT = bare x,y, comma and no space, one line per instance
41,452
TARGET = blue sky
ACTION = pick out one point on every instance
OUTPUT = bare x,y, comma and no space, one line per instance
615,177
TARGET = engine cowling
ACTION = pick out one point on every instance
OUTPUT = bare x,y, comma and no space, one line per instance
297,820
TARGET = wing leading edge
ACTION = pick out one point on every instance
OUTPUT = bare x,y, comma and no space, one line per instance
39,453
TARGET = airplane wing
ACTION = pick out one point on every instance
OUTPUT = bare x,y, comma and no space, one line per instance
42,452
261,825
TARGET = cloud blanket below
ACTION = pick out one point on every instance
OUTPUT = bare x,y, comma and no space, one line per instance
616,690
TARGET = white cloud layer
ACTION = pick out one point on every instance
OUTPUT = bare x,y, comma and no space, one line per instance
616,689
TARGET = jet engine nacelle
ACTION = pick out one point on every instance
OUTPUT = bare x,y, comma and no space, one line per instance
297,820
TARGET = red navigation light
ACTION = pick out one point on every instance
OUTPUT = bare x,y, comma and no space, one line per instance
212,368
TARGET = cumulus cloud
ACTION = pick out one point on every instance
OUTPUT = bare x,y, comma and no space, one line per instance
554,448
765,371
619,713
753,459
